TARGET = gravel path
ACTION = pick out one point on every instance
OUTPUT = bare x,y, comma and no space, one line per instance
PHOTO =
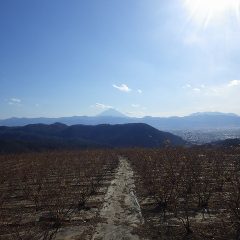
121,211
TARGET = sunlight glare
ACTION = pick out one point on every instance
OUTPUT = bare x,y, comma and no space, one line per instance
205,12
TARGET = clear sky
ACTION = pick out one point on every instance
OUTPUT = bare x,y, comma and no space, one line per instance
141,57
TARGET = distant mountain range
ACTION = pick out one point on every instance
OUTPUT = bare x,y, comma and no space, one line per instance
235,142
205,120
37,137
214,114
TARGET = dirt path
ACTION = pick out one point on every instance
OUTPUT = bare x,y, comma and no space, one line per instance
121,210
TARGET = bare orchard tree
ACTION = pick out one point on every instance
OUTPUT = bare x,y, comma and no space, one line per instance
233,199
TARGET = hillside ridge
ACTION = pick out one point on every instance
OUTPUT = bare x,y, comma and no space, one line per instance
37,137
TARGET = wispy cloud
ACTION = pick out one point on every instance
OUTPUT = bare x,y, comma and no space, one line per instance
135,105
221,90
101,106
122,87
234,83
223,97
139,91
187,86
14,101
227,88
196,89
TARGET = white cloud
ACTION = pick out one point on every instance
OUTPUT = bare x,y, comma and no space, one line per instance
14,101
135,105
102,106
122,87
224,90
196,89
139,91
234,83
222,97
187,86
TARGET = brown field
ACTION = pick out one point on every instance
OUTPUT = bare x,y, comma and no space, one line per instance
188,193
42,194
191,193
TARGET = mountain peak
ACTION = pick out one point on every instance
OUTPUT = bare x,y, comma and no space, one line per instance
111,112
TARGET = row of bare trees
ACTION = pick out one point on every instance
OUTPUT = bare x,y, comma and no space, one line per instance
39,192
196,188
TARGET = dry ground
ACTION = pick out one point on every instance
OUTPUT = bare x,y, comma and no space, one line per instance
121,211
119,216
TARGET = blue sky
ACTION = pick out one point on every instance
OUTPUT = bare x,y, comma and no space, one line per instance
141,57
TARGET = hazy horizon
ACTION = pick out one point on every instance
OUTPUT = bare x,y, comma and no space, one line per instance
125,114
160,58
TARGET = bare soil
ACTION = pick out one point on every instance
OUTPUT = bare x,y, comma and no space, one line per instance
121,212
